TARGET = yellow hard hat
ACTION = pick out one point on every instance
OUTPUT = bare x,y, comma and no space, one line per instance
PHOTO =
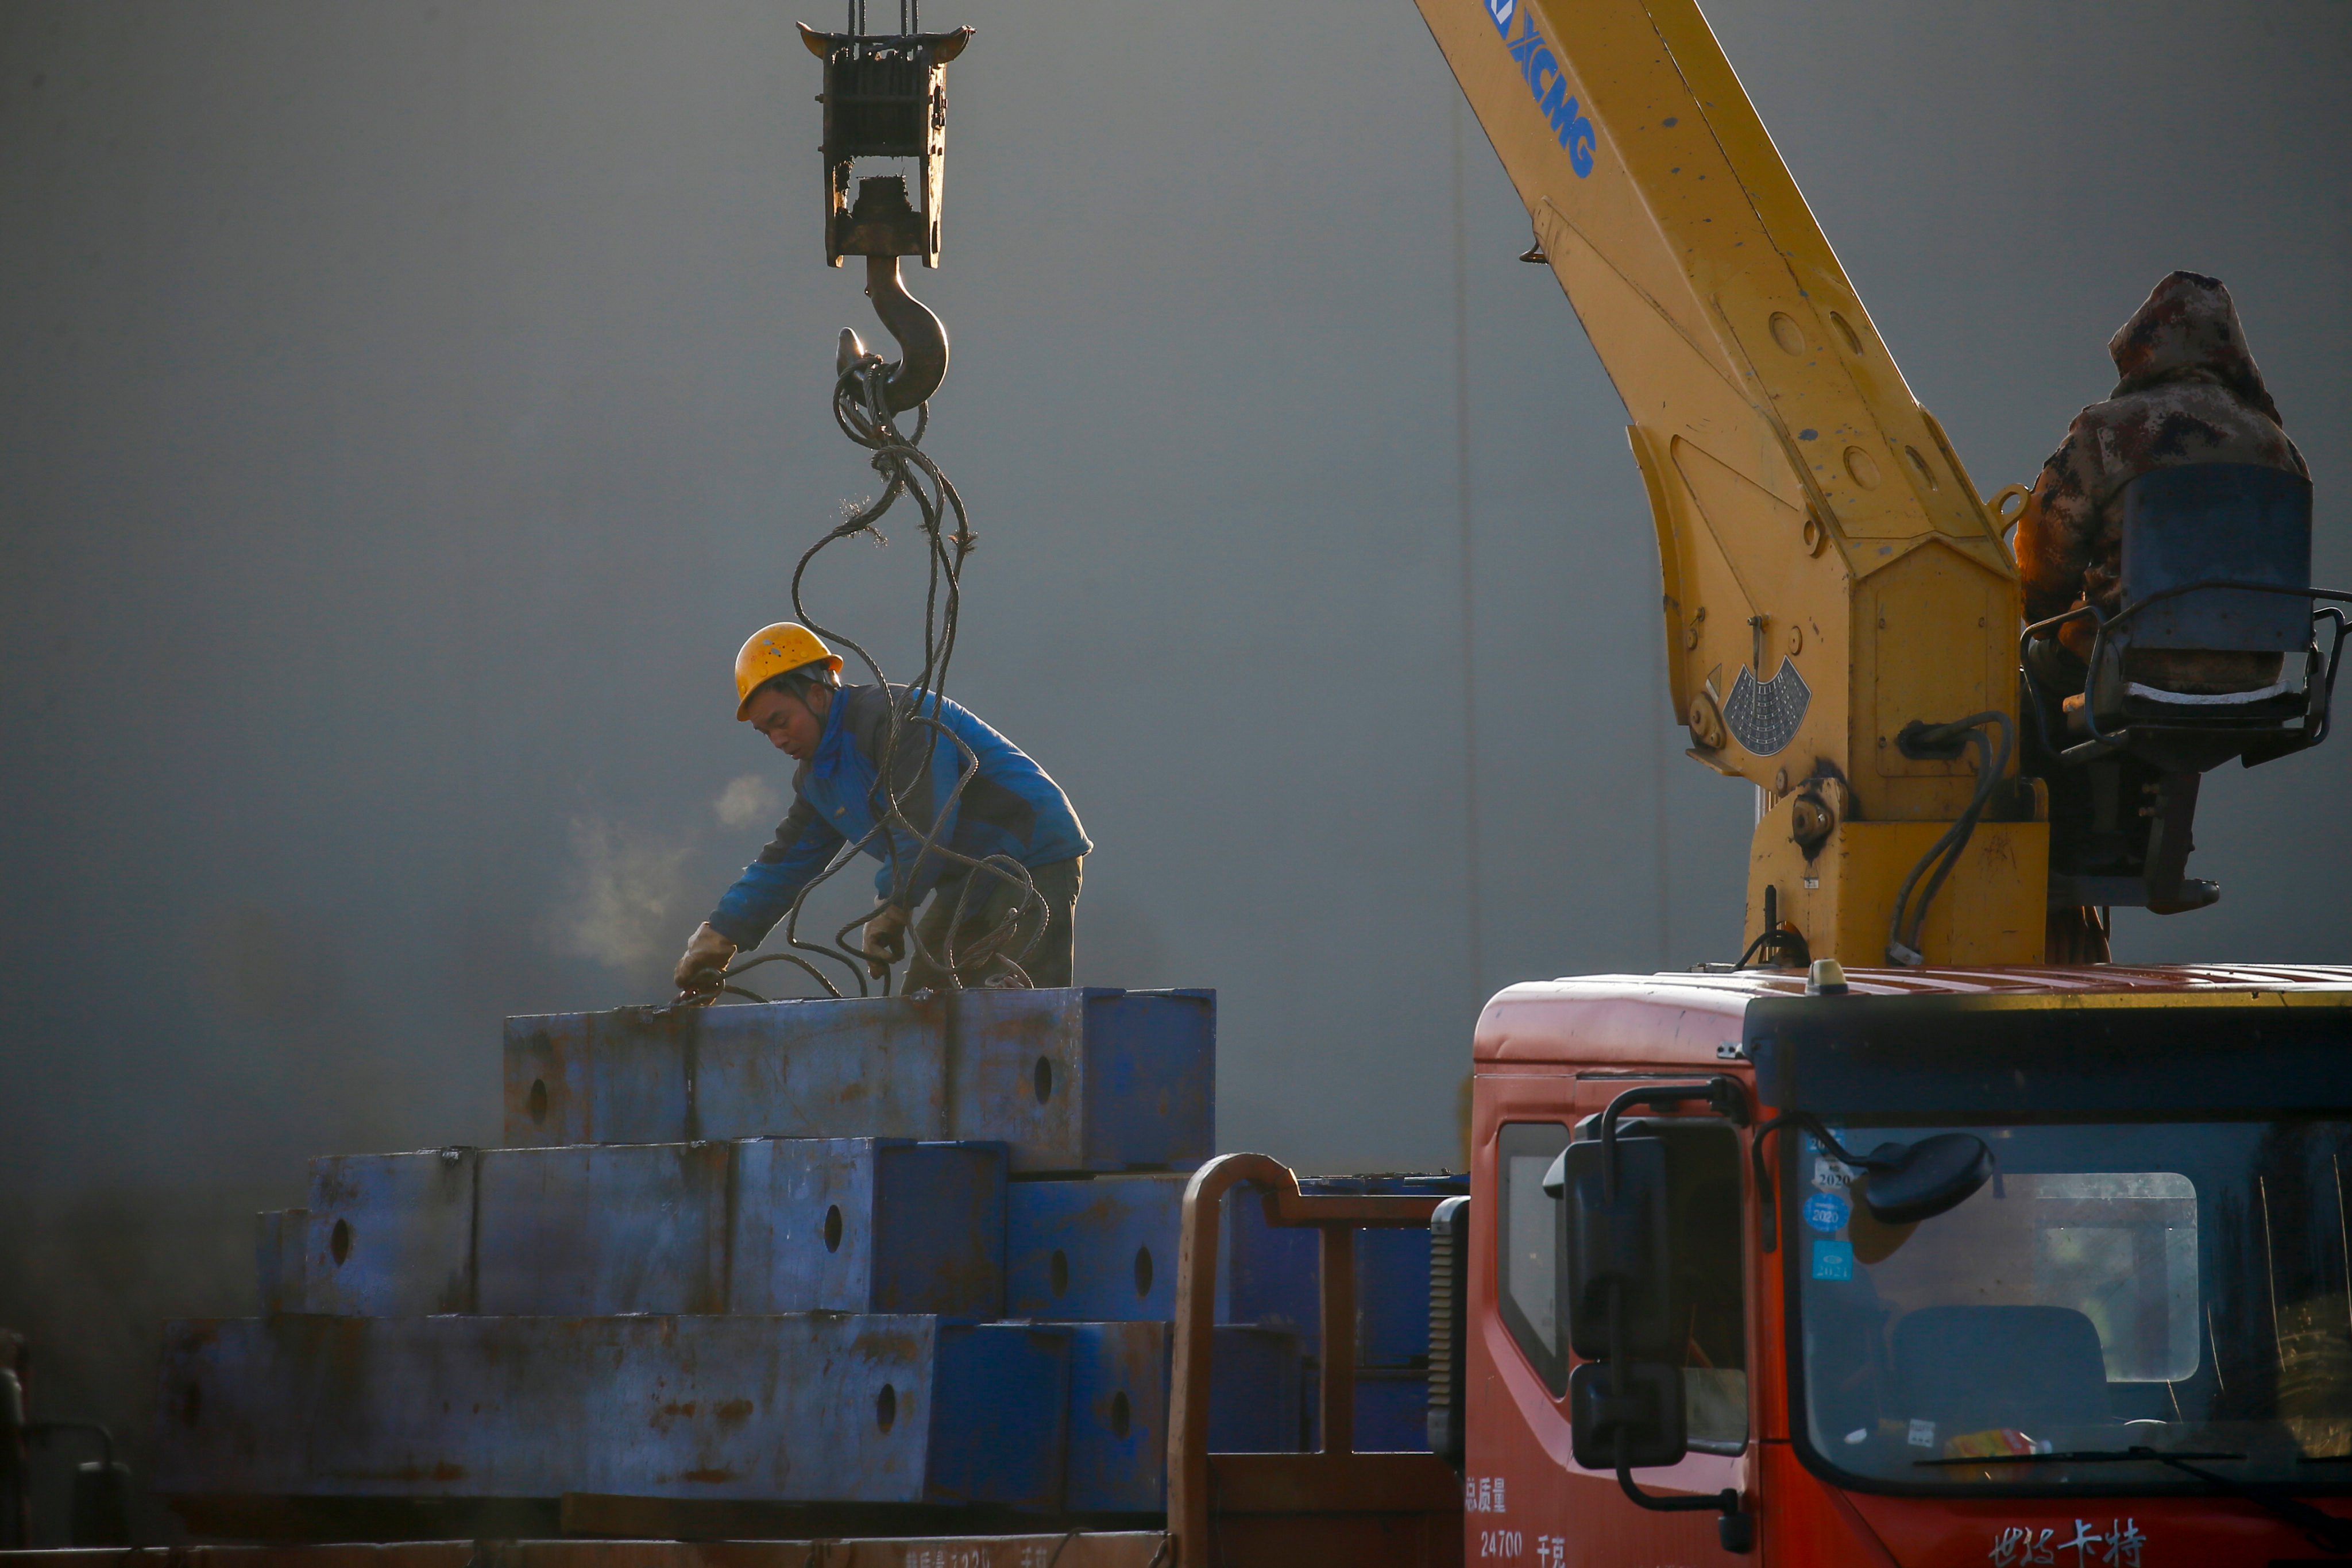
771,651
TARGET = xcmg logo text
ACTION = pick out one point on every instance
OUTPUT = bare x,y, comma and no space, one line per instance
1541,68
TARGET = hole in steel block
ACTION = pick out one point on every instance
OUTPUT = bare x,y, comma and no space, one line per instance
339,1242
1121,1417
886,1407
539,1103
191,1404
1057,1272
1042,1080
1143,1272
833,1236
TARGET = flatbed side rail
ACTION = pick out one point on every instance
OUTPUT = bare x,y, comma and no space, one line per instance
1337,1480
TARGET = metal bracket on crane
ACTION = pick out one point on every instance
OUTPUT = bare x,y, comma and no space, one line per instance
886,97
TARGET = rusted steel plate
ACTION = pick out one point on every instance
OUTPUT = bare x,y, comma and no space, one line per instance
389,1235
1086,1079
861,1225
599,1229
1069,1079
862,1067
818,1407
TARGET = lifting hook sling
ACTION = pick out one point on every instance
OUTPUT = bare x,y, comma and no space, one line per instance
922,338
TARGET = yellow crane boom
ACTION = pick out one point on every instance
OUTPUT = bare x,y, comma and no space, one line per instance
1829,573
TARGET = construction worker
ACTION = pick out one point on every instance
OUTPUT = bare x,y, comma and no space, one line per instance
1008,814
2189,392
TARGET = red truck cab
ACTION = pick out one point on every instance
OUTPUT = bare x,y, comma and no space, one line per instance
2128,1342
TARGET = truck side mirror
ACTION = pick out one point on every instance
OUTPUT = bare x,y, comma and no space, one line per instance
1626,1413
1625,1396
1613,1246
1908,1182
1912,1182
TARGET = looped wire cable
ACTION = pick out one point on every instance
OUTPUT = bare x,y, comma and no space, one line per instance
913,729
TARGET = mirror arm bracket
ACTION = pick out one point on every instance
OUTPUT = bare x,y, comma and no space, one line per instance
1737,1529
1805,1121
1723,1095
1767,1195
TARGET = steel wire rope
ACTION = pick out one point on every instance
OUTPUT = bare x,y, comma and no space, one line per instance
861,412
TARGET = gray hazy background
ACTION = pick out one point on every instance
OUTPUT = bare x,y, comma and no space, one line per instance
405,410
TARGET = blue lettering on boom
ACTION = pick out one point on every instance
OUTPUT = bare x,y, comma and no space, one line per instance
1545,83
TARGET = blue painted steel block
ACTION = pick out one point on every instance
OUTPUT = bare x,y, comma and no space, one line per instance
278,1237
1068,1079
1098,1251
390,1235
1000,1415
864,1225
1391,1411
1276,1271
1086,1079
864,1067
603,1228
807,1408
1256,1385
1119,1407
1119,1418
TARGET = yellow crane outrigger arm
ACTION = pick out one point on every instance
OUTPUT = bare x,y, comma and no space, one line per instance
1829,572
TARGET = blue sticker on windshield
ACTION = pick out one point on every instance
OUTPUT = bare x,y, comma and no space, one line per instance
1827,1211
1833,1260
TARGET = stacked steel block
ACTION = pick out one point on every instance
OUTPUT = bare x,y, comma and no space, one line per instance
891,1251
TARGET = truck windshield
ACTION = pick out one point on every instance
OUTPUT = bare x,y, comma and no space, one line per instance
2178,1286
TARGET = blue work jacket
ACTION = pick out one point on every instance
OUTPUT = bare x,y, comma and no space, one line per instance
1010,808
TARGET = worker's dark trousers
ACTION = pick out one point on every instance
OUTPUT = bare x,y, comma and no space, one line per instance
1046,964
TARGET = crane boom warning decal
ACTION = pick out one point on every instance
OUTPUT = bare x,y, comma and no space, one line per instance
1541,68
1763,715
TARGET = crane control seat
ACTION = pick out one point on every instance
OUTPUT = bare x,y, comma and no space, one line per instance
2194,669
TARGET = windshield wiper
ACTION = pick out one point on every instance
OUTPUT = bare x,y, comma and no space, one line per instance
2319,1527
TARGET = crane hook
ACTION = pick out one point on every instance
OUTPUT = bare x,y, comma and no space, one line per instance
922,339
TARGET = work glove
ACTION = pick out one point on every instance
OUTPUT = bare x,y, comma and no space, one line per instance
886,940
708,953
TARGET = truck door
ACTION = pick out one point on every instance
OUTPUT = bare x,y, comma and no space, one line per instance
1525,1497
